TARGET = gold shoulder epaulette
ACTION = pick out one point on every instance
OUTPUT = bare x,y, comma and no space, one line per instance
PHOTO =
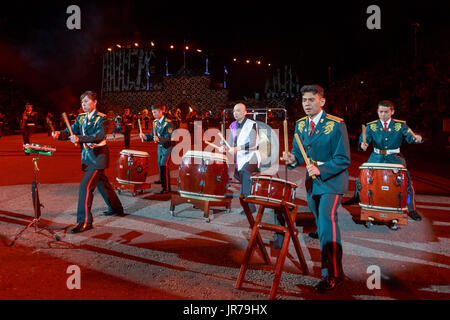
80,114
101,114
399,120
301,119
337,119
372,122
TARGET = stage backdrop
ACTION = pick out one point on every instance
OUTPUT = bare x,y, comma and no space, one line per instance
128,80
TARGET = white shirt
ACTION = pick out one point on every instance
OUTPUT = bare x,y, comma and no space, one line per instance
388,122
90,115
316,119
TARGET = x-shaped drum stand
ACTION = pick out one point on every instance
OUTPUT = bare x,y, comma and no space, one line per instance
289,213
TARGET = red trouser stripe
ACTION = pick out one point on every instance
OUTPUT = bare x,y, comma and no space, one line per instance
413,196
333,211
87,197
167,173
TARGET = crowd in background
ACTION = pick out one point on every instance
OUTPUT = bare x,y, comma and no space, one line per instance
420,92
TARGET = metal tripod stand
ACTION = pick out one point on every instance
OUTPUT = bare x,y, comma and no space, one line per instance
37,208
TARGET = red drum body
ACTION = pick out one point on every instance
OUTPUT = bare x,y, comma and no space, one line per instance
272,190
132,167
383,187
203,175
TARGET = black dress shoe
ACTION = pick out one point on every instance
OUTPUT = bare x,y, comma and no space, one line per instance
81,227
314,235
109,213
350,201
164,191
415,215
157,182
327,283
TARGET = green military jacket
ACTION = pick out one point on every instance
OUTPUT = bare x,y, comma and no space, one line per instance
92,136
389,140
329,147
164,133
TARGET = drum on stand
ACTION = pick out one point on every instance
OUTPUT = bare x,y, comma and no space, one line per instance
132,167
272,190
203,175
383,192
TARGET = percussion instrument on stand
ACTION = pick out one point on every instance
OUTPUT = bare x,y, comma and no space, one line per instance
289,212
131,171
383,193
279,195
38,150
203,182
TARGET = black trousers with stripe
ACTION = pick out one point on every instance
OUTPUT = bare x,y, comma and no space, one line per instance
95,178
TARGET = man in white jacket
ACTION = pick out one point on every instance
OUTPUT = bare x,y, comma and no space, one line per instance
243,140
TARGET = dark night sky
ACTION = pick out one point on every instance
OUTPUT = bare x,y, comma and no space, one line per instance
38,49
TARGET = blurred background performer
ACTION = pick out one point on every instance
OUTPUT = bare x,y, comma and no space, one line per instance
88,130
127,123
162,135
243,140
28,122
386,135
117,126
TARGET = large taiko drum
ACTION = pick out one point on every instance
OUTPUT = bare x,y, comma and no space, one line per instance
203,175
383,187
272,190
132,167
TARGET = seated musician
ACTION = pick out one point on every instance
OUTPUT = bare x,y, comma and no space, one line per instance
386,135
243,141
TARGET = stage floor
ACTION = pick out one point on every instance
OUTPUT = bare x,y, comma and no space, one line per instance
149,254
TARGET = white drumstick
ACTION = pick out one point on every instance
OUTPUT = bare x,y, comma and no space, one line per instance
223,139
212,144
140,128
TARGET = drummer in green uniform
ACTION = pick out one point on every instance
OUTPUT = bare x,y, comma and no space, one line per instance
162,135
325,140
386,135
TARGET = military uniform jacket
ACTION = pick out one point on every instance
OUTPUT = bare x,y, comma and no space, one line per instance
164,133
391,139
329,147
127,119
90,133
32,118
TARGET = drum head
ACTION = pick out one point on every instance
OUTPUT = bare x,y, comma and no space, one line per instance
268,147
135,153
205,155
388,166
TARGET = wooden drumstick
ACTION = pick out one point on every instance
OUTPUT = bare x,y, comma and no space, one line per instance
66,120
140,128
285,136
364,134
50,125
154,131
212,144
223,139
302,150
412,133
